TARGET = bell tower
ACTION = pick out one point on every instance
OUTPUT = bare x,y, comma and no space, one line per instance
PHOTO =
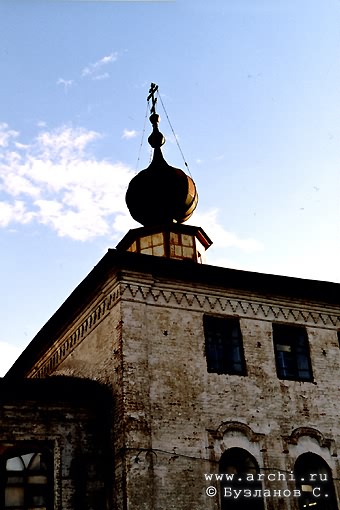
162,198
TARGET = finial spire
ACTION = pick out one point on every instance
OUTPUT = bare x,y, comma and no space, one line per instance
156,139
160,194
152,91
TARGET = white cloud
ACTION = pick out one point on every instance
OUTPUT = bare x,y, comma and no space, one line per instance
64,142
57,182
91,70
16,185
81,223
21,145
129,133
11,212
221,237
6,134
106,60
124,222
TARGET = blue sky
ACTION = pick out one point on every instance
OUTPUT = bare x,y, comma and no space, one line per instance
252,91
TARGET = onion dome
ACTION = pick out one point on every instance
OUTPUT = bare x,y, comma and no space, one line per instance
160,194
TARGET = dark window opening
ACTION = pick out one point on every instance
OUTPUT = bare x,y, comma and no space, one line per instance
292,353
241,469
223,345
314,480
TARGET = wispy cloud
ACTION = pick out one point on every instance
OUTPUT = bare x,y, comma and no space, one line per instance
172,138
65,83
219,157
223,238
56,181
6,134
94,69
129,133
101,77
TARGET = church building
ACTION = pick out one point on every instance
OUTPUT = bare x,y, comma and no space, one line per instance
164,383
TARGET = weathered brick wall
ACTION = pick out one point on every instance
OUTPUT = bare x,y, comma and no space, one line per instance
70,419
172,419
167,373
98,356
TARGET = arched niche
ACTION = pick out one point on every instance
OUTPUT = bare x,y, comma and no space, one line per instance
234,434
313,478
239,469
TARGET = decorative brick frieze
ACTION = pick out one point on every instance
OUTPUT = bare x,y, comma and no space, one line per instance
173,298
248,308
62,348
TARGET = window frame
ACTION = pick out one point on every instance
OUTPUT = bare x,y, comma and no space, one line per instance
292,339
26,474
224,345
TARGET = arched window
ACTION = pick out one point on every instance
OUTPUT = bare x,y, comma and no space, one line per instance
28,481
314,479
240,471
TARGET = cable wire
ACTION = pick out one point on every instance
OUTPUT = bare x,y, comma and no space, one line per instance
173,132
143,134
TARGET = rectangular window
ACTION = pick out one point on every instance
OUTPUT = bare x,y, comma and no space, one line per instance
292,353
223,345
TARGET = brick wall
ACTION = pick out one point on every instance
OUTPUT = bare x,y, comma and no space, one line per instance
172,420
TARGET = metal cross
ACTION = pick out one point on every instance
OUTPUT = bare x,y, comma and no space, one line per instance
152,91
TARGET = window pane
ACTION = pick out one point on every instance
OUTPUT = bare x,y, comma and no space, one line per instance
223,345
15,480
284,348
27,458
285,364
36,463
14,496
14,464
40,479
292,352
36,499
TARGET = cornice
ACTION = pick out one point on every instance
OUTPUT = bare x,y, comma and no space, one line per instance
243,306
206,302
